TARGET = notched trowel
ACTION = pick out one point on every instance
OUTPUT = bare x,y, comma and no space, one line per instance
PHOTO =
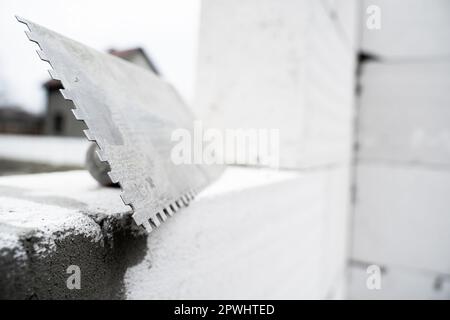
131,114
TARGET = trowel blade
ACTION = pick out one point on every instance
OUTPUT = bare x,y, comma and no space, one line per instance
131,114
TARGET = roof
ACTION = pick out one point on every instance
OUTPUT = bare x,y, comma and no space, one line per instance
128,54
124,54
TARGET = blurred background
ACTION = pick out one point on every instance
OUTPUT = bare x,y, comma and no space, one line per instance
360,91
151,34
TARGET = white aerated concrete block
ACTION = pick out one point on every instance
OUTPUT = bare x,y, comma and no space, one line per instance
402,217
255,233
413,28
402,204
270,240
336,230
405,113
278,65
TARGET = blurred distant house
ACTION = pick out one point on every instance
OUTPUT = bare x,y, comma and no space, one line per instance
59,119
15,120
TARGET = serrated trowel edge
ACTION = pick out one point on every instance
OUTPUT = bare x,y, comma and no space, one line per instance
155,219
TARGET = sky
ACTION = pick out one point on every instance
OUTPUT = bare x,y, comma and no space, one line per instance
166,29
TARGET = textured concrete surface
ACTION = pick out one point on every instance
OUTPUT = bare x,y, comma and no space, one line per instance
402,217
51,221
285,65
405,116
409,29
401,213
288,65
253,234
283,239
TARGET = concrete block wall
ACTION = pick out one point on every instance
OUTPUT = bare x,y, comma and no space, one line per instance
404,115
290,65
265,239
284,65
246,236
402,208
409,29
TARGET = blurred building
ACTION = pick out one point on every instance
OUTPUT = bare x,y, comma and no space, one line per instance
59,120
15,120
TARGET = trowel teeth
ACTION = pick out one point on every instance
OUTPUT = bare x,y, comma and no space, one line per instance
173,207
54,75
125,199
89,135
79,115
20,19
167,212
42,55
161,216
31,37
101,155
147,226
65,93
113,177
155,221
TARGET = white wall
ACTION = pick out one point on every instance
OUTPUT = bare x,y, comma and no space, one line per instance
290,65
286,65
254,234
409,29
402,209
